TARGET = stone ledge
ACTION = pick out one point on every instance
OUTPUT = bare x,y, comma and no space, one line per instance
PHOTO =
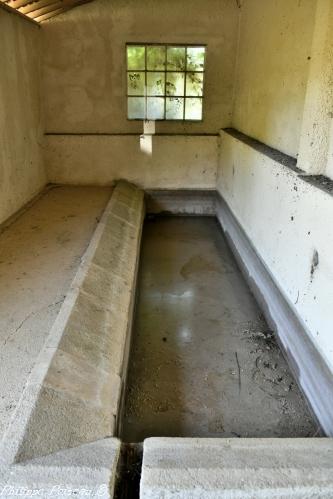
85,471
268,151
320,181
73,394
197,202
237,468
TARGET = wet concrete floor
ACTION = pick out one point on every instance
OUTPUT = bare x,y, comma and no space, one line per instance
203,361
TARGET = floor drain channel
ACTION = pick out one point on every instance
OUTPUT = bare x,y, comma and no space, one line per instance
129,472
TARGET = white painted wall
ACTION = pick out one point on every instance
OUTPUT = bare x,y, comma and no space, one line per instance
287,220
85,61
272,70
316,142
85,92
21,166
175,162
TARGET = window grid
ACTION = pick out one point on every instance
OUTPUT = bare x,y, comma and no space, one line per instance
165,96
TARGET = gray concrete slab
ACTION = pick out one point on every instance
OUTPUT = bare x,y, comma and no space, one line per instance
181,202
204,362
89,470
194,468
39,255
72,395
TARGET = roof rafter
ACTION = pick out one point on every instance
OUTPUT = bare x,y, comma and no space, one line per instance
33,6
41,10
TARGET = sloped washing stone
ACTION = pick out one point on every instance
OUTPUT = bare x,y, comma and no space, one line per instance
128,199
124,212
77,379
109,292
72,397
100,286
61,421
120,259
95,334
193,468
85,471
119,230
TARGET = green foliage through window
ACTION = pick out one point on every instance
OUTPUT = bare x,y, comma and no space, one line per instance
165,82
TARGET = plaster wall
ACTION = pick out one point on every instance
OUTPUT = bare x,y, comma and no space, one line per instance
21,165
272,70
85,61
85,84
175,161
316,142
286,220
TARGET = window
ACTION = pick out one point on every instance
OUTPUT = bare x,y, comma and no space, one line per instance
165,82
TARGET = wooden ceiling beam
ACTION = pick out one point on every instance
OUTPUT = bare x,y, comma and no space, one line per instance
9,9
17,4
41,10
44,17
30,7
54,5
58,4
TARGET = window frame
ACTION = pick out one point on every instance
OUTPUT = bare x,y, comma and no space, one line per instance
165,71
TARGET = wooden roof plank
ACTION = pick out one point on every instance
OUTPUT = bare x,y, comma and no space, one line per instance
18,13
45,10
44,17
54,5
33,6
16,4
41,10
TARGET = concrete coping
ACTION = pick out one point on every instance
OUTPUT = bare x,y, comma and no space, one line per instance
237,468
274,154
89,470
321,182
72,396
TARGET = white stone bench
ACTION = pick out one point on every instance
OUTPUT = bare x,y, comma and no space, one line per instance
242,468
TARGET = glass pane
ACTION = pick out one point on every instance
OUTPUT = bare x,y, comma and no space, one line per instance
136,108
136,83
175,84
156,58
155,108
194,84
174,108
155,83
176,58
195,58
135,57
193,109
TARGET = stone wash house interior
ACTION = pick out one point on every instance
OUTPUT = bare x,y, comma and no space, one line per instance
166,249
